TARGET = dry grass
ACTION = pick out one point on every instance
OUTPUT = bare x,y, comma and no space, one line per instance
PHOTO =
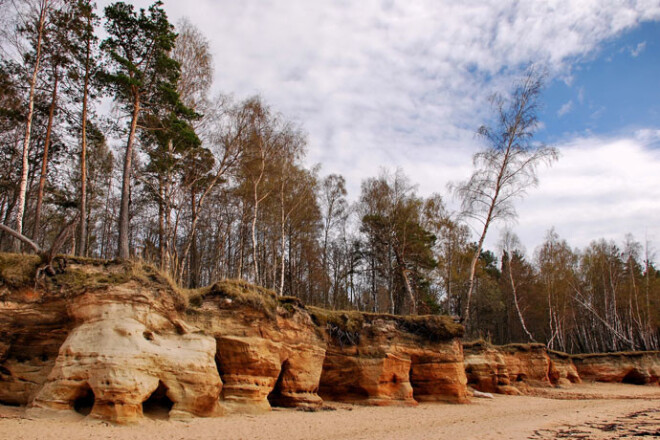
479,344
76,275
347,326
241,293
515,347
482,344
559,354
18,270
620,354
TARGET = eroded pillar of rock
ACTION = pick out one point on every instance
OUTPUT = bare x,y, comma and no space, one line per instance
249,368
439,375
121,361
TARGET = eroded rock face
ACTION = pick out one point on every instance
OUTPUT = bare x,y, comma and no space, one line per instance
389,366
507,369
32,329
264,357
486,369
126,347
562,369
641,368
527,364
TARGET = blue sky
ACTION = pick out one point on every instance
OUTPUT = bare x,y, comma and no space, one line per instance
405,84
614,90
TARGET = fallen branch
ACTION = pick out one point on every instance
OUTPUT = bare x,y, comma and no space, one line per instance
47,257
21,237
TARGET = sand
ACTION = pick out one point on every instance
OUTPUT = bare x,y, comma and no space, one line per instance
589,411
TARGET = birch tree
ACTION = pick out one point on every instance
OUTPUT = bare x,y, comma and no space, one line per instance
42,10
506,168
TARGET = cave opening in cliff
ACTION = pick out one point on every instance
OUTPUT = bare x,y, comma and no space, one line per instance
84,402
218,365
275,397
158,405
634,377
413,381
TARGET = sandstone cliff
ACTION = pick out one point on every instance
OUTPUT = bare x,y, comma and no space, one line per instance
486,369
513,368
563,371
117,341
639,368
268,349
379,359
105,339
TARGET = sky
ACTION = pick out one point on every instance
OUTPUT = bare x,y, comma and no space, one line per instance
386,84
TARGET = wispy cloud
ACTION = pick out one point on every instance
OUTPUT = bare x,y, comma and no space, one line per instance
566,108
634,52
397,82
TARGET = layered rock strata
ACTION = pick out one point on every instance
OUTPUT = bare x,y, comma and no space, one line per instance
641,368
268,350
32,329
127,351
376,359
563,371
486,369
513,368
527,364
118,341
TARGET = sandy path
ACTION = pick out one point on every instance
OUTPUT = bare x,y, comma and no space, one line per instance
600,411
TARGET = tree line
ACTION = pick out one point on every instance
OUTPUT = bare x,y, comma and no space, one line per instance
208,187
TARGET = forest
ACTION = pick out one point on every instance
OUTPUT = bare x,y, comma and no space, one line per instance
110,132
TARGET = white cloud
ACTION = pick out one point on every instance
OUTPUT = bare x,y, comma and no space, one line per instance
638,49
406,82
599,188
566,108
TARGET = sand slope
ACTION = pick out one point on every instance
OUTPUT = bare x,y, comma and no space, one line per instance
594,411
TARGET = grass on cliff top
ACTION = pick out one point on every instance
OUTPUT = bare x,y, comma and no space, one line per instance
509,348
559,354
238,293
17,270
431,327
521,347
627,354
476,344
75,275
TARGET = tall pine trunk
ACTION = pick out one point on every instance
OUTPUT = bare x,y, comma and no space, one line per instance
44,161
82,247
123,251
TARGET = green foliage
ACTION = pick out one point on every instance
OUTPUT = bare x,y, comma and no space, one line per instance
137,46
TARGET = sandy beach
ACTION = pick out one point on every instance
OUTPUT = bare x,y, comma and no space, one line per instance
588,411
